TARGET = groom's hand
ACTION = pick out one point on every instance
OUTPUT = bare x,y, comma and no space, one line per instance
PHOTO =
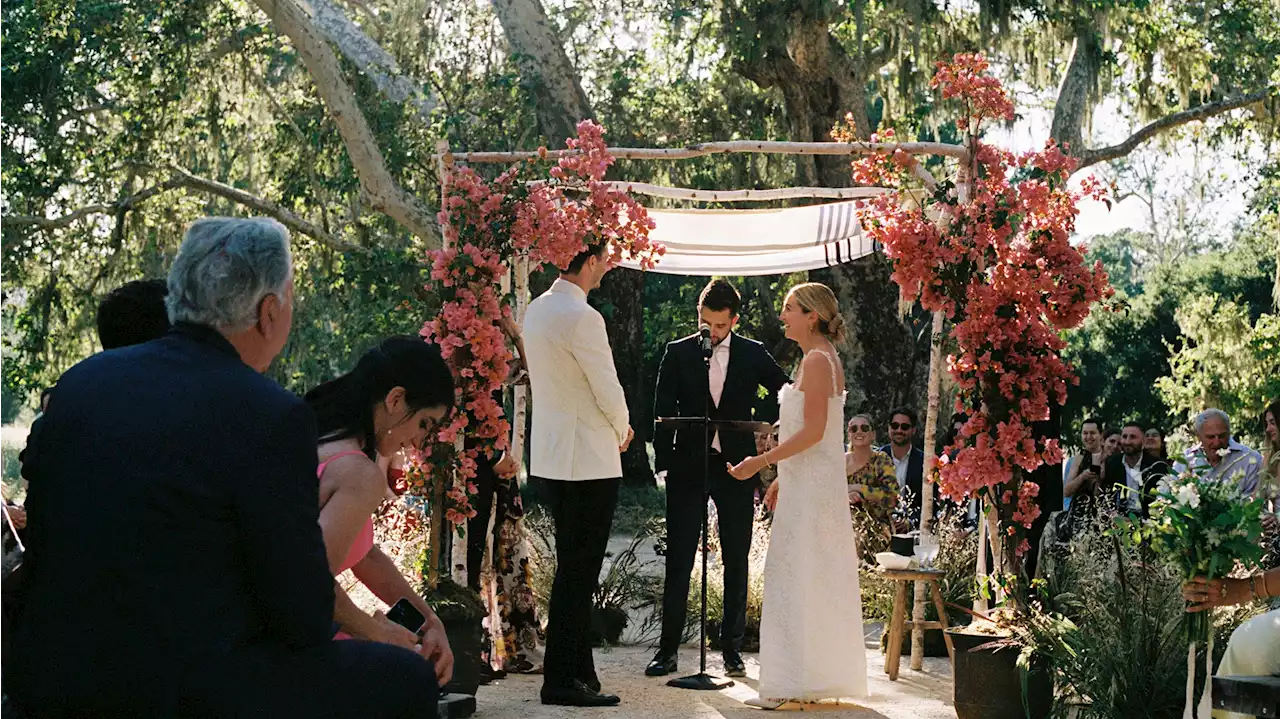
631,434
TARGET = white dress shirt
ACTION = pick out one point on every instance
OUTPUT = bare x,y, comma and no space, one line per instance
1133,478
900,466
716,373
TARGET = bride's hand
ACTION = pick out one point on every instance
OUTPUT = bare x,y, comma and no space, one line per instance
771,496
746,469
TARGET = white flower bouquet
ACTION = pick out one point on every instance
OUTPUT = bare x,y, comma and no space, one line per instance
1204,526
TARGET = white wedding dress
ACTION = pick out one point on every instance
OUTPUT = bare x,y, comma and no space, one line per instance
811,641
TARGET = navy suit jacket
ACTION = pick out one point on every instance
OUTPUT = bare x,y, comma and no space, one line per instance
684,390
173,509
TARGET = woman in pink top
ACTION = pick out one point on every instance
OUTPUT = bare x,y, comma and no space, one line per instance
395,397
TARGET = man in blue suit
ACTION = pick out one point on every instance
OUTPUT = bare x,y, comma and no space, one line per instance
175,565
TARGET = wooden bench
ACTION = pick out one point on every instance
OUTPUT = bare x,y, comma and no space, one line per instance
1259,696
897,625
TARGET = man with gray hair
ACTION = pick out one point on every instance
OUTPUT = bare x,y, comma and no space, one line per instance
1220,456
175,563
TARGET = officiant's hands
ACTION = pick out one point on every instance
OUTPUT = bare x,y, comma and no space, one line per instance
747,468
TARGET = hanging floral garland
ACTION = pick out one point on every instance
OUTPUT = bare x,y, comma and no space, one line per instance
1003,269
547,212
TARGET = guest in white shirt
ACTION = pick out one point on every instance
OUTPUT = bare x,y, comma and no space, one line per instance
1221,457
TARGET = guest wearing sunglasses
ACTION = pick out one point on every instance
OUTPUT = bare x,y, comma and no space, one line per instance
873,484
908,460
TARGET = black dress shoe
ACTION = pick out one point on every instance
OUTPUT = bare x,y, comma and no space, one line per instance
579,695
733,665
592,683
662,665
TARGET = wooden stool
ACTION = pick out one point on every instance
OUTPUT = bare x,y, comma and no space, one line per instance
901,577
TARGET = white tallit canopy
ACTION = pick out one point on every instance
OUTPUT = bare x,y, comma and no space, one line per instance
757,242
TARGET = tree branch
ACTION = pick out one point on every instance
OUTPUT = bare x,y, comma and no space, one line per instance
263,206
184,179
369,56
57,223
383,193
1103,154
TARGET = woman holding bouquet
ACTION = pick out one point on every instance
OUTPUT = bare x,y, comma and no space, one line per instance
1254,648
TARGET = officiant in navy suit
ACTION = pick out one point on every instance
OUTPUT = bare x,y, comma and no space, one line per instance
726,389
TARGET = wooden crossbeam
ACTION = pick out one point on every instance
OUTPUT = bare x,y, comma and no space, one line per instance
718,148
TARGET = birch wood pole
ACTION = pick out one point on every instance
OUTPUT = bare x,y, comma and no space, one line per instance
958,152
437,533
520,400
930,456
783,193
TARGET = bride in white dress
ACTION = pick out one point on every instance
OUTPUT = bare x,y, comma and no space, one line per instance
811,640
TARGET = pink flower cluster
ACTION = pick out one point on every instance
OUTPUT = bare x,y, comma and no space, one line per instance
486,222
1003,269
966,78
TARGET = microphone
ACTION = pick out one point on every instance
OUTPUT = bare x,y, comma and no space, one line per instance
704,338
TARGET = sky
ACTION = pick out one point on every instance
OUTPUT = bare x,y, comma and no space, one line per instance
1109,127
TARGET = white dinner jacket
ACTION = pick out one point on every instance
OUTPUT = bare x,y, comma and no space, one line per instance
579,411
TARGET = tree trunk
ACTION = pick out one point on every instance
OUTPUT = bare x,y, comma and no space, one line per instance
624,320
820,83
1076,90
880,354
546,71
377,186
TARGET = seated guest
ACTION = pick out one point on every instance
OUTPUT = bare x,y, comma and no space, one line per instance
1221,457
1271,460
1254,647
1130,477
1084,468
1110,442
393,399
1154,445
873,484
908,460
133,313
175,564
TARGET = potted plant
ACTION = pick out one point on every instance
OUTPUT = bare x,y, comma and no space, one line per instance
625,586
462,613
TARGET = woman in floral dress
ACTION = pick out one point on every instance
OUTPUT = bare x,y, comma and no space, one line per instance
873,483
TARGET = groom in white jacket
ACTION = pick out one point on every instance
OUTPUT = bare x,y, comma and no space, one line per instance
580,428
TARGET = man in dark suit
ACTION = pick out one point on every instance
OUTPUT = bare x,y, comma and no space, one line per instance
175,564
908,459
1130,476
727,387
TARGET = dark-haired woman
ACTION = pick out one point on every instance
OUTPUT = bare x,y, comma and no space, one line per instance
394,398
1154,445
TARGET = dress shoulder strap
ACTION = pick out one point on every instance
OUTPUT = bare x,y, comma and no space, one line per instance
347,453
835,375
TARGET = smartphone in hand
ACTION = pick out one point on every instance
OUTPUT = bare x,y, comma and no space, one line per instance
407,616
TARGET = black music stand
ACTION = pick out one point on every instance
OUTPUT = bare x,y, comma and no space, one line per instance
702,680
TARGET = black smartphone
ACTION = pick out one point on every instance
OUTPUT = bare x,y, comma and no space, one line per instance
407,616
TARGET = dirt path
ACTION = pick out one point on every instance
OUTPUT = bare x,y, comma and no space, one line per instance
916,695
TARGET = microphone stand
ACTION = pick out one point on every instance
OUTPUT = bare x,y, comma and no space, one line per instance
702,680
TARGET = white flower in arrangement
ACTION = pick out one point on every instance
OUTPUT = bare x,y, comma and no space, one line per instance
1214,538
1188,496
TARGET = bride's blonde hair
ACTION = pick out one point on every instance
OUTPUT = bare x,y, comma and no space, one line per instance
817,297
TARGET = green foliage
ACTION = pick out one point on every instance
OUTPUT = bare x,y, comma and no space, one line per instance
1112,624
1119,355
1226,361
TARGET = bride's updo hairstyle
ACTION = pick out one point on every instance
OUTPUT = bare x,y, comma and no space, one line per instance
815,297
